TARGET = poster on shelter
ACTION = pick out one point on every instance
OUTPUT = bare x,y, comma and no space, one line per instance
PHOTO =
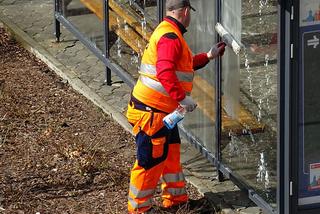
309,12
309,118
314,177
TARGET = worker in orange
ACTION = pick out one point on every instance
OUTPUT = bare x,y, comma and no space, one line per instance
165,81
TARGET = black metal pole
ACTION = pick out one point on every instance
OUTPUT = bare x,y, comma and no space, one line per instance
108,80
218,100
57,31
160,9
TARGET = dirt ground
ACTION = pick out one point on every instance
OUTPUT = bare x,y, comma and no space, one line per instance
58,152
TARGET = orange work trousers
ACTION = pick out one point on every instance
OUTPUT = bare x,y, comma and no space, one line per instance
158,159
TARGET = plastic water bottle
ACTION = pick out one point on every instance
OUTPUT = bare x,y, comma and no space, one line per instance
171,120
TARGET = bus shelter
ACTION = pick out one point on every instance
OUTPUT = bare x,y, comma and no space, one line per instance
257,119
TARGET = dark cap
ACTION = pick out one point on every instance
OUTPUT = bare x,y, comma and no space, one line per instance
176,4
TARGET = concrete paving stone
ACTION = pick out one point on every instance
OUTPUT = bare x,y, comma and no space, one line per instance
121,105
33,30
238,208
105,90
221,188
49,25
95,85
100,63
4,10
68,51
127,96
193,180
81,72
82,67
49,42
91,61
101,77
24,24
66,36
62,45
8,2
94,71
15,14
110,101
45,38
41,36
79,46
61,55
19,20
120,86
117,94
251,210
86,78
74,60
227,211
81,53
39,21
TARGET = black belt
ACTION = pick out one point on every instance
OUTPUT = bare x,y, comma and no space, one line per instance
141,106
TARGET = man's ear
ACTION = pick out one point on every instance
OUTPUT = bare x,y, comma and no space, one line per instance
185,11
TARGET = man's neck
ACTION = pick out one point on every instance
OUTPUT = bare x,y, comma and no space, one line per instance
177,23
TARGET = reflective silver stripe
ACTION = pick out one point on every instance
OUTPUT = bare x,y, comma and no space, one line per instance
141,193
174,177
135,205
177,191
148,69
184,77
151,83
151,70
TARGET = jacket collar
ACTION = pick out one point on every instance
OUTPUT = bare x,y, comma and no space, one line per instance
176,23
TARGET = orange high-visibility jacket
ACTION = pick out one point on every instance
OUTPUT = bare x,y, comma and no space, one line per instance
148,89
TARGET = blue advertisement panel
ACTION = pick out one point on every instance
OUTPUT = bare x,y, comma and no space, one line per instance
309,119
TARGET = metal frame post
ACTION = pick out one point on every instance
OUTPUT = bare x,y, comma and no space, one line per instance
218,100
106,50
57,30
160,10
284,109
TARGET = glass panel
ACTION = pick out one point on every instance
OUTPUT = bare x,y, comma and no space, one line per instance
249,114
86,16
309,121
200,37
132,22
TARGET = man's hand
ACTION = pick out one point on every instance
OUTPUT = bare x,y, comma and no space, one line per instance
188,104
217,50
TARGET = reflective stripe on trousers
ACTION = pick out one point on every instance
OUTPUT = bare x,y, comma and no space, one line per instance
176,191
141,193
136,206
176,177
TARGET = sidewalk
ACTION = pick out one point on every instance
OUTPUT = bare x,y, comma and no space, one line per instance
31,22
